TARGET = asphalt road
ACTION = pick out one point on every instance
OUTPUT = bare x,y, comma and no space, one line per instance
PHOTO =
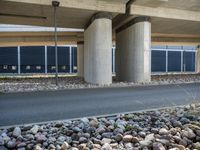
20,108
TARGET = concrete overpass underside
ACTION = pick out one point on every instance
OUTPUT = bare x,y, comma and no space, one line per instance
132,24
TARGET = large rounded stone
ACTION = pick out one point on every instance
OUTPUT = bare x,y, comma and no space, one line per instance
127,138
16,132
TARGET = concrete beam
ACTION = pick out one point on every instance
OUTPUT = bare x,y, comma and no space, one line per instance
162,12
38,38
115,6
172,39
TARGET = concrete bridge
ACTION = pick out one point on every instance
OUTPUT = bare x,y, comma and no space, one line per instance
133,25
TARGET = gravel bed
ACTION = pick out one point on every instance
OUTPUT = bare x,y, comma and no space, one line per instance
175,128
11,85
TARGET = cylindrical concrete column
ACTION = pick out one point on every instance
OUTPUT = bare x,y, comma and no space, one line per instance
97,50
198,59
133,51
80,56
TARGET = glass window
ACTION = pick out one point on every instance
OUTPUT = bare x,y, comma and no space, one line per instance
174,61
38,67
5,67
28,67
188,61
158,61
14,67
53,67
75,67
63,67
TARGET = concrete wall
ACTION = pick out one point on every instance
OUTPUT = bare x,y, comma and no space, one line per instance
80,59
97,52
133,53
198,60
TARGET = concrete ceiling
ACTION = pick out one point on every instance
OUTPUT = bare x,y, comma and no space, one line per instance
168,16
191,5
71,14
173,26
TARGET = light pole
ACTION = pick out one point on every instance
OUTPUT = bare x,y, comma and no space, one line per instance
55,4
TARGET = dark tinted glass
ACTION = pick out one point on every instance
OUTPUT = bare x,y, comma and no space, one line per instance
63,59
158,61
189,61
174,61
32,59
8,60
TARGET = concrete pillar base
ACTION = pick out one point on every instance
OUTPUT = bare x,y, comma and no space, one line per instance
133,51
97,50
80,60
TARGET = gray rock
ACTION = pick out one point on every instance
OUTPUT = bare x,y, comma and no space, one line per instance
118,137
29,137
145,143
142,134
155,130
1,141
11,144
163,141
76,129
51,146
148,141
29,146
51,140
22,144
61,139
196,145
58,124
94,123
65,146
37,147
100,130
135,140
16,132
21,148
183,142
106,146
107,135
106,140
163,131
96,141
40,138
158,146
128,146
188,133
198,132
83,140
177,124
127,138
34,129
85,120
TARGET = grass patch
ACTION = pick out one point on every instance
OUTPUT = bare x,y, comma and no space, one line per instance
128,127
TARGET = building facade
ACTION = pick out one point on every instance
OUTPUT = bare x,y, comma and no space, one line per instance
41,59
